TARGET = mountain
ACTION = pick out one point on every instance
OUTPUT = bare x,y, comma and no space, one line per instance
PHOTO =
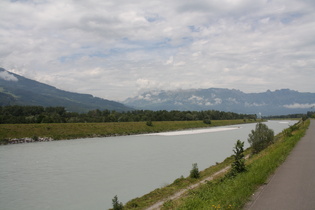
279,102
18,90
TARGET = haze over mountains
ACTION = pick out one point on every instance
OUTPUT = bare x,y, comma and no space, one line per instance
279,102
18,90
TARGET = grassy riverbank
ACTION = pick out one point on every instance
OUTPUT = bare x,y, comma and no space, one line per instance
230,193
59,131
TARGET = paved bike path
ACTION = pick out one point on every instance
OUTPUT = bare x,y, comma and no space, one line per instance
292,187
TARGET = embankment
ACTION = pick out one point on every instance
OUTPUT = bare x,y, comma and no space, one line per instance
21,133
225,193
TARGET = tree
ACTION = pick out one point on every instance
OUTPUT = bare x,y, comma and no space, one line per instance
260,138
149,123
238,166
207,121
194,173
116,204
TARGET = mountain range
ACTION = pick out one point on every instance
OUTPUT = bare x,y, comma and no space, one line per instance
18,90
279,102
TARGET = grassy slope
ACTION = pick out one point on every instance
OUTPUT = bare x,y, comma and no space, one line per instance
179,184
81,130
234,193
226,193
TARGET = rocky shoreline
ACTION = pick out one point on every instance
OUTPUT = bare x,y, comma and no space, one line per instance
25,140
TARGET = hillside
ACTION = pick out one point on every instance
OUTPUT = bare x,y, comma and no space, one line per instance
279,102
18,90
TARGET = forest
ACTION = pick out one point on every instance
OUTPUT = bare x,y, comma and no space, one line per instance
38,114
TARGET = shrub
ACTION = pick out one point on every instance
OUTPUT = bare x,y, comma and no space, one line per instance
116,204
4,141
207,121
260,138
238,165
194,173
288,132
149,123
304,117
35,138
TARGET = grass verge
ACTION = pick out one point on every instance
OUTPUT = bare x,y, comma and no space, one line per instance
179,184
59,131
234,193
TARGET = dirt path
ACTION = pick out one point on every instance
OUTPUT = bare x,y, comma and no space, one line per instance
292,186
177,195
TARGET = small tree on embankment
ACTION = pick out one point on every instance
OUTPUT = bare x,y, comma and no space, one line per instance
238,166
194,173
260,138
116,204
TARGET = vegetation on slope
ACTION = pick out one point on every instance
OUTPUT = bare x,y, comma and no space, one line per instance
234,193
59,131
226,192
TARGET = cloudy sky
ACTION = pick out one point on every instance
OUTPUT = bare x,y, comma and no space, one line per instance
117,48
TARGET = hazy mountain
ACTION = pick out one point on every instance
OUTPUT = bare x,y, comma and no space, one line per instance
18,90
277,102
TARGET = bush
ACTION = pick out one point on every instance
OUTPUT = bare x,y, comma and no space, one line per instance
238,166
4,141
305,117
207,121
149,123
194,173
260,138
116,204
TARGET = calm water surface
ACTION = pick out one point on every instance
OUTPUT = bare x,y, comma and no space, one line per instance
88,173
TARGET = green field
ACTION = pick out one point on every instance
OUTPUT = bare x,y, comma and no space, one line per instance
59,131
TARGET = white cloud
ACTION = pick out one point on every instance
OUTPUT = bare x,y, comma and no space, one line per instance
170,60
113,49
253,104
299,106
178,103
218,100
147,97
195,98
208,103
7,76
233,100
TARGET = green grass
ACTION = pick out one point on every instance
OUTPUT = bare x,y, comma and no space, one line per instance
59,131
158,194
179,184
233,193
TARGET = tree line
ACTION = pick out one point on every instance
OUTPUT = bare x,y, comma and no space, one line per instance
37,114
308,114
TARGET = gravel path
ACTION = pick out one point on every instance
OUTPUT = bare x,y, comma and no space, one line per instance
177,195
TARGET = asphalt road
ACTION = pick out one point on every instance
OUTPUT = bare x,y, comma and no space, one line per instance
292,187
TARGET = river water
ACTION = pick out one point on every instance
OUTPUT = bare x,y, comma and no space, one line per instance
87,173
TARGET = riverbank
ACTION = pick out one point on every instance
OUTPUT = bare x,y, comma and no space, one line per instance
25,133
223,193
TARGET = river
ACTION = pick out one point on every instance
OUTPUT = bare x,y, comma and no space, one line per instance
87,173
